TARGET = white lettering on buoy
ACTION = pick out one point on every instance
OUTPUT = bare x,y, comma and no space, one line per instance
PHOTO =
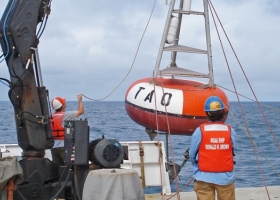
144,95
163,100
149,96
140,88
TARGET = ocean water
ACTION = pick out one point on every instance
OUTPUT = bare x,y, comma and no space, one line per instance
257,156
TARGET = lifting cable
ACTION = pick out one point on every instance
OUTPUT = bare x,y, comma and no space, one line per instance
240,126
156,118
254,145
168,125
192,179
243,74
169,136
132,65
241,108
243,114
272,108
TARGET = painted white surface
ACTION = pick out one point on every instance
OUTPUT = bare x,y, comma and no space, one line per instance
171,35
15,150
142,95
187,5
155,171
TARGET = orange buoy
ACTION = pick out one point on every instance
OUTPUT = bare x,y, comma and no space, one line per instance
170,104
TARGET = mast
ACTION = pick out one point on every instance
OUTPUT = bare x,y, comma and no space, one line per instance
175,47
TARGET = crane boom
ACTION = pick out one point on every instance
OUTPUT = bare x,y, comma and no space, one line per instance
42,179
28,96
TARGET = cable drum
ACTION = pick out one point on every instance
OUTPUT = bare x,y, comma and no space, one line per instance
106,152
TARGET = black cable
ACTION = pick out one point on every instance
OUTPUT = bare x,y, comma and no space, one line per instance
25,112
20,194
77,189
59,183
45,23
9,95
63,186
18,83
3,79
18,95
10,65
29,120
40,28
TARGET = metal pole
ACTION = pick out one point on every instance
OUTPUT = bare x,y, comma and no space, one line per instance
174,54
208,42
38,67
167,153
165,32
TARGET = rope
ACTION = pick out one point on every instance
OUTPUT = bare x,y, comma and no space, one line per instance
132,61
160,161
245,77
273,108
241,127
156,118
243,115
168,125
170,140
141,154
240,106
181,189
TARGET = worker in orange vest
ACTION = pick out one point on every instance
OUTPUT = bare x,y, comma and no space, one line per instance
59,116
211,154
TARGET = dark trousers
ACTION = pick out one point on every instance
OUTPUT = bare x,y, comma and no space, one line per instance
58,156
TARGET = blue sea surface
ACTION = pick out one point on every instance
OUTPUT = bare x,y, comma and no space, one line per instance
257,151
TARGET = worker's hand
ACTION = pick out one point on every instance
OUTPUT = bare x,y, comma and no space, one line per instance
79,97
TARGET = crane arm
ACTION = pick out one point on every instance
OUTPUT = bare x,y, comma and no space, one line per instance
19,42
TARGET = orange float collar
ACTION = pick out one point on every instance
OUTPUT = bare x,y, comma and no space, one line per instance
57,128
215,152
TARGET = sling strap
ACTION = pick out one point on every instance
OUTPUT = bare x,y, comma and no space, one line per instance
141,154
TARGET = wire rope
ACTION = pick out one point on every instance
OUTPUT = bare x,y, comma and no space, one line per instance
134,59
243,114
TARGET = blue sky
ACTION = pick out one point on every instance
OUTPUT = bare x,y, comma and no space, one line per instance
89,46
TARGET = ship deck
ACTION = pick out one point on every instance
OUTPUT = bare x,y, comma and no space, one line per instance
255,193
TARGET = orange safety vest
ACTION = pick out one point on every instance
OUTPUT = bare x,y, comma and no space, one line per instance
57,128
215,153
